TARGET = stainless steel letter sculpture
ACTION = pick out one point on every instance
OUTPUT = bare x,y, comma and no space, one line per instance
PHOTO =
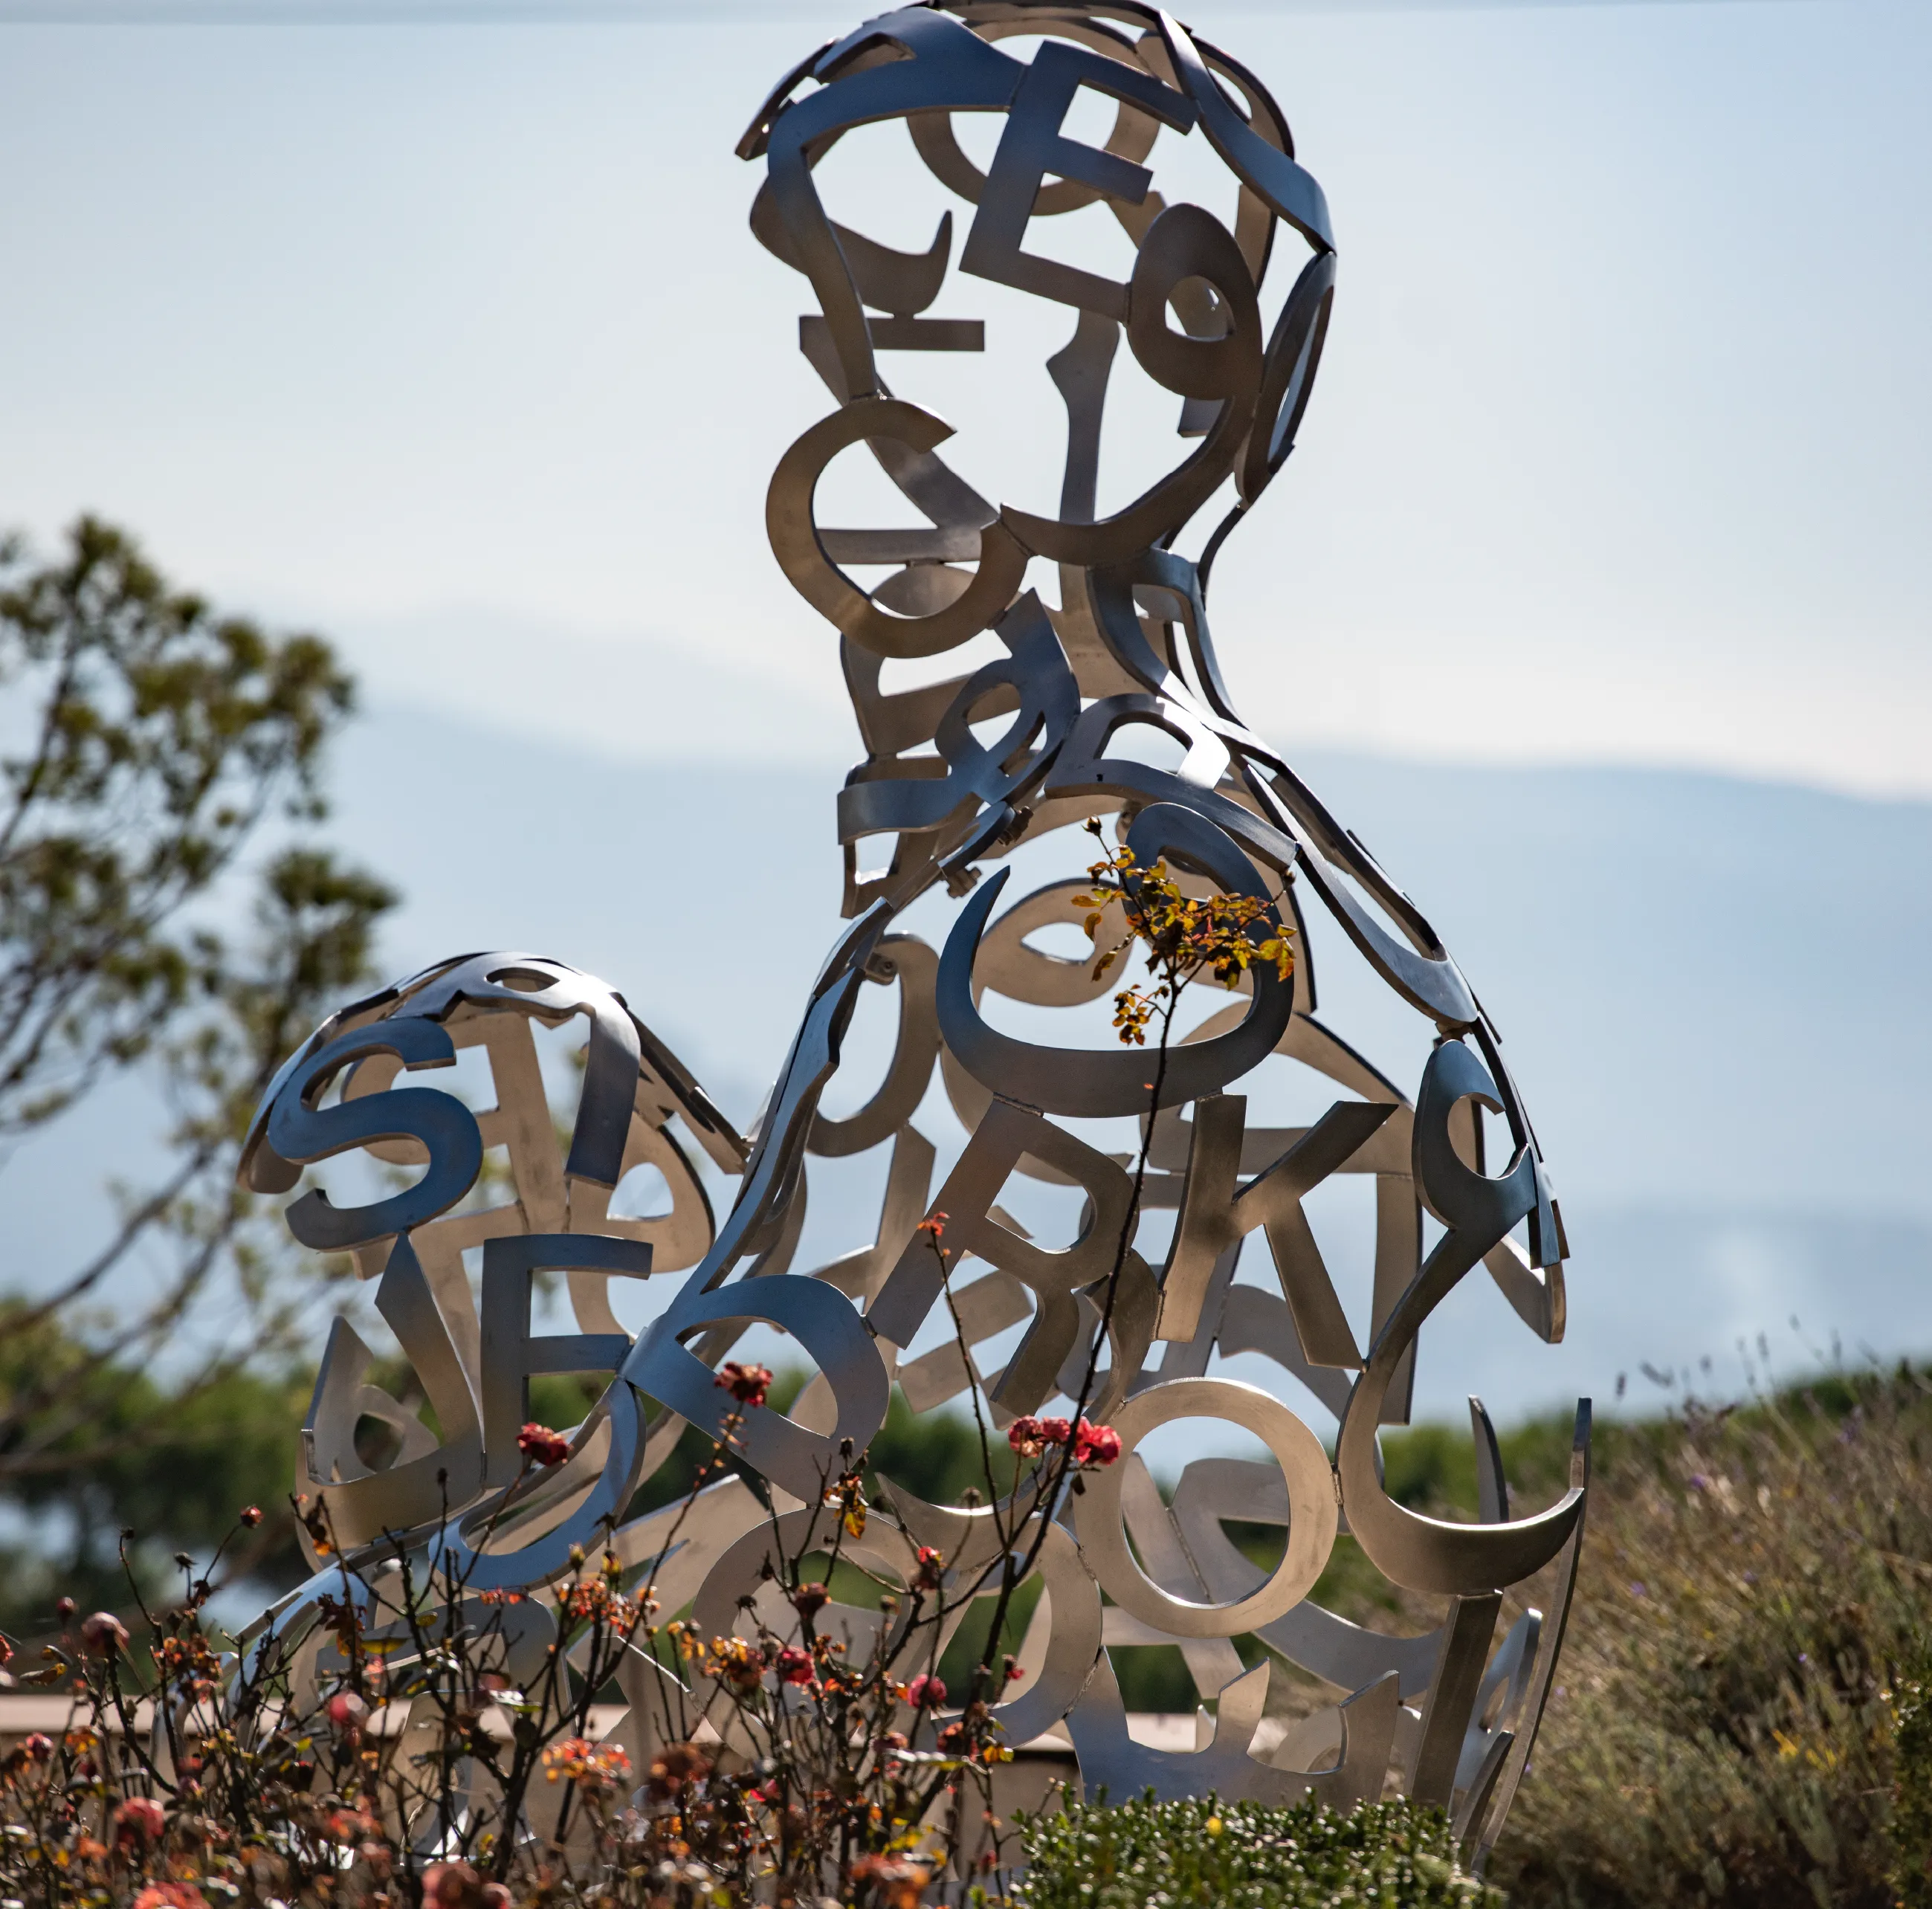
1065,714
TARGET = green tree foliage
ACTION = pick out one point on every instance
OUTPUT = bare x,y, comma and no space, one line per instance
158,735
155,736
173,1463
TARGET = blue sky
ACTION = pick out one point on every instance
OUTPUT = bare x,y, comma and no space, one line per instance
452,340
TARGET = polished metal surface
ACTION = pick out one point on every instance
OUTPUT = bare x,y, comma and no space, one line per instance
1199,1182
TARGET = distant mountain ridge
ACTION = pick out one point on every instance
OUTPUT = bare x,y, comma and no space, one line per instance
1709,989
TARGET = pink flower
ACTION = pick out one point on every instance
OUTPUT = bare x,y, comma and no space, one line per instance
930,1564
747,1384
346,1710
38,1747
926,1692
1055,1431
1095,1445
794,1665
251,1515
103,1633
170,1895
458,1886
449,1882
541,1446
139,1820
1023,1435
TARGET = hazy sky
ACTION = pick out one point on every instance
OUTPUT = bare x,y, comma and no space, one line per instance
452,339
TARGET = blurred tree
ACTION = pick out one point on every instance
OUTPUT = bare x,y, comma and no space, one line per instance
174,1463
154,737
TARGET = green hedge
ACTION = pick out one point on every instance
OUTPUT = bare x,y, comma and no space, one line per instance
1150,1855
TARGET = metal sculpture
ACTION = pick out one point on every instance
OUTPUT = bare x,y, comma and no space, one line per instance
1124,653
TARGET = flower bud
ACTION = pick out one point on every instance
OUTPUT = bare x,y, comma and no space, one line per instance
103,1634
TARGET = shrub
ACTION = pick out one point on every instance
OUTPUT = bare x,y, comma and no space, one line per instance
1395,1855
1911,1705
1753,1582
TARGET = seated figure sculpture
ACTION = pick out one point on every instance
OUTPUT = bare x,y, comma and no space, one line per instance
1093,697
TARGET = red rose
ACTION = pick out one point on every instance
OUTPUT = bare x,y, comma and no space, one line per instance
139,1820
1095,1445
930,1564
794,1665
926,1692
1023,1435
541,1446
449,1882
346,1709
458,1886
1055,1431
170,1895
747,1384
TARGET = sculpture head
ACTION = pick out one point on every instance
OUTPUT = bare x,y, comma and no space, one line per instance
1188,286
1222,315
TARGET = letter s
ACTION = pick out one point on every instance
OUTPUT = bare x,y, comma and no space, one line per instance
301,1133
